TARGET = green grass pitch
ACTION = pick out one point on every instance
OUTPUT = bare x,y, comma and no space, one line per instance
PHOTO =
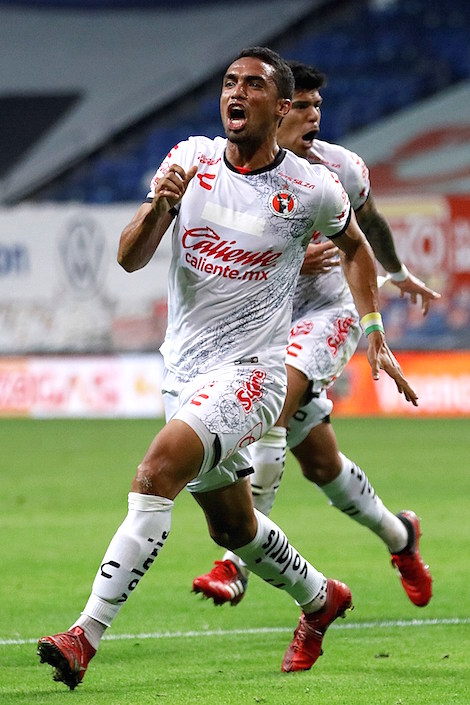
63,492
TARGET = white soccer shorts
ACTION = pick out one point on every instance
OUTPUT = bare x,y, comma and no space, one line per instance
321,343
307,417
229,409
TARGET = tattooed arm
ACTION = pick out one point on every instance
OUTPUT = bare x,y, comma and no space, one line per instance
379,234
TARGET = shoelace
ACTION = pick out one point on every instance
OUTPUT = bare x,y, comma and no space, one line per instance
223,569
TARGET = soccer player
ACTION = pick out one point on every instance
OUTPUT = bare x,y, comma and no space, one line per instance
244,212
324,334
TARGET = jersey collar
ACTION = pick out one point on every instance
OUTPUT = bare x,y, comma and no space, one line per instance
277,160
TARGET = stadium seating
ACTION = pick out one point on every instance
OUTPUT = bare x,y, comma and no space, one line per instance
376,61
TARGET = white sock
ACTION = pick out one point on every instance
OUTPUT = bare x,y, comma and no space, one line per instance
271,556
130,554
268,456
241,565
94,630
318,601
352,493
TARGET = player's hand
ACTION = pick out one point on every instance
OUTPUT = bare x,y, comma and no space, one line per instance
320,257
417,289
381,358
170,188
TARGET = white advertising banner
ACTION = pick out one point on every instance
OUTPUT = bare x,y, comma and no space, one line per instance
76,386
61,289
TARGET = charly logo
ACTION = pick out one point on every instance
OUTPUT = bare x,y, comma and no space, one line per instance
81,248
283,203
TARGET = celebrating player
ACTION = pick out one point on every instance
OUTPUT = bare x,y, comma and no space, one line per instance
324,334
245,211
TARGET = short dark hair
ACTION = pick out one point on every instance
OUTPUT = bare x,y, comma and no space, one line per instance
307,78
283,77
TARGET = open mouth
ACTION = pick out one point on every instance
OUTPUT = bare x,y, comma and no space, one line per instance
309,136
236,117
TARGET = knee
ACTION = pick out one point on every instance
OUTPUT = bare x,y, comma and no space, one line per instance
171,461
148,478
158,476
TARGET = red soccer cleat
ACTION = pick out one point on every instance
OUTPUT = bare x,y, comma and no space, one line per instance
224,583
414,574
69,653
306,646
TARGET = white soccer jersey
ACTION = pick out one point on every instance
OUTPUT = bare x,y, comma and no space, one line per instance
238,244
351,169
329,288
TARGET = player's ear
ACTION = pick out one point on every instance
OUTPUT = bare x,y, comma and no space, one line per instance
284,106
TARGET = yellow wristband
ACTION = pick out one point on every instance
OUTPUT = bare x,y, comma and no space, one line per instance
372,321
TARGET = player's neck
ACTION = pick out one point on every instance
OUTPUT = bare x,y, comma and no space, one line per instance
314,156
249,158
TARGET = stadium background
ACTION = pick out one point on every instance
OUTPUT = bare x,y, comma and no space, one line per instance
92,96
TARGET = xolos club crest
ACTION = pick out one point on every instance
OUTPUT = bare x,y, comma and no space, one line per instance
283,203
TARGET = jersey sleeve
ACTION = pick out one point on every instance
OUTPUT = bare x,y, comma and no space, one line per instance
182,154
358,181
335,209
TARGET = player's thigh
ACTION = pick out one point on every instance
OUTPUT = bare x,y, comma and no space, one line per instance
230,409
318,454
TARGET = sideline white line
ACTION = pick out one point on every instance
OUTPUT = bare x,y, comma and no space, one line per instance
262,630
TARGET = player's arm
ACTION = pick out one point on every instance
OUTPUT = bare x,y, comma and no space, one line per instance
358,263
380,237
141,237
